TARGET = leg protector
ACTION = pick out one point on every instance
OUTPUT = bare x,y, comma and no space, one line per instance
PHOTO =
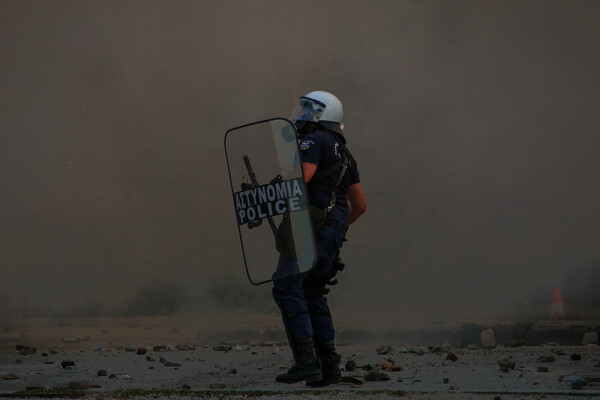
285,316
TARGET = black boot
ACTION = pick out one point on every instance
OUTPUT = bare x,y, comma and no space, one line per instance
330,368
306,366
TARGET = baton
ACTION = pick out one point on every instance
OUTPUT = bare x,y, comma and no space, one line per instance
252,176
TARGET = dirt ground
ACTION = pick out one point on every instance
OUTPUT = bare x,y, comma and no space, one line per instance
238,356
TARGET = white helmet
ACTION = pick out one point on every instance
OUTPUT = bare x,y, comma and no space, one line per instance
318,106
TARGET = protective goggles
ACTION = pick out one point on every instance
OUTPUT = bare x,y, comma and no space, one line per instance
308,110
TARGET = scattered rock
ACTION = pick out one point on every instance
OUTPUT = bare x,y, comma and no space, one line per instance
350,365
451,357
67,363
543,369
98,347
506,363
123,376
185,347
168,363
367,367
578,384
488,339
473,346
390,367
112,376
438,349
10,377
384,349
222,346
149,358
575,357
546,359
159,348
142,350
130,348
25,350
446,380
102,372
590,338
373,375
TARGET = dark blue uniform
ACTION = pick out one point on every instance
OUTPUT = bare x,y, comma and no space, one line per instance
302,297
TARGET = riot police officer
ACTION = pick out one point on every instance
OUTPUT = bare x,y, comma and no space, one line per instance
336,201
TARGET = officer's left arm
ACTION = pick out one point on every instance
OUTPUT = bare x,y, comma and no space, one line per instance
309,170
358,201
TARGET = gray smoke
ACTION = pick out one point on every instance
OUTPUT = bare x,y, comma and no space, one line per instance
474,125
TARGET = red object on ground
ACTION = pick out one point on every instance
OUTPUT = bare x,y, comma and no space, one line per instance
558,308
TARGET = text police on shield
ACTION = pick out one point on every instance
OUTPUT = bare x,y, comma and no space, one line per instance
269,200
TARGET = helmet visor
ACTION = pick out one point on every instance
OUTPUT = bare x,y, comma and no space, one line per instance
308,110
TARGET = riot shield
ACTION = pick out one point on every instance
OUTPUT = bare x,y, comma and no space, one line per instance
270,199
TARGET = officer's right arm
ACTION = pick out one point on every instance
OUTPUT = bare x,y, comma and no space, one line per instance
358,201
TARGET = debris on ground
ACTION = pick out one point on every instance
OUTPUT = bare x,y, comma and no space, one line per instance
373,376
390,366
350,365
25,350
222,346
167,362
590,338
578,384
547,359
506,363
384,349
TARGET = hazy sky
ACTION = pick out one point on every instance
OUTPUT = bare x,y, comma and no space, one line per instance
474,124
